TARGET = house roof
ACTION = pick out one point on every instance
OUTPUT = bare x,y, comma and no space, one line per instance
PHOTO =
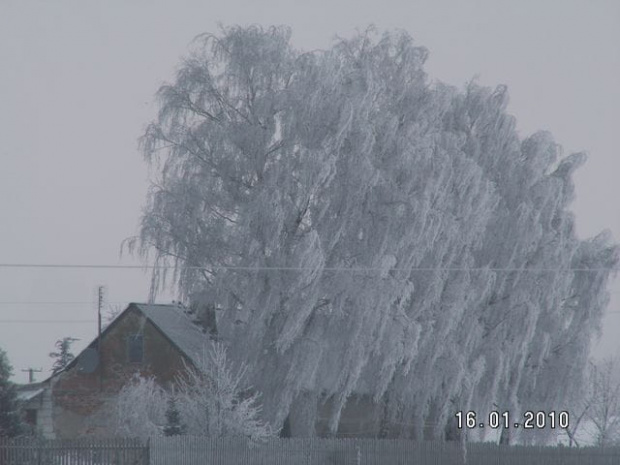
26,392
173,322
25,395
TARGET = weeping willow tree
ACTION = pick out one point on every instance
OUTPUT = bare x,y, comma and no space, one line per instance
361,229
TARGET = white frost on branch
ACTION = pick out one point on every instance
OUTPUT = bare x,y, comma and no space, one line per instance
140,408
214,401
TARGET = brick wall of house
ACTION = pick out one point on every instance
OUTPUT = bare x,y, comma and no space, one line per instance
360,418
82,402
310,414
45,424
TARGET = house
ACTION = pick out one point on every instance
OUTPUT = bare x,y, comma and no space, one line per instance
160,341
36,407
361,417
153,340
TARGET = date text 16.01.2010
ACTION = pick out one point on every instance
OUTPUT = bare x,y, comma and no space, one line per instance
529,420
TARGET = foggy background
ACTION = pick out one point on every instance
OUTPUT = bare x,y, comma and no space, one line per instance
77,80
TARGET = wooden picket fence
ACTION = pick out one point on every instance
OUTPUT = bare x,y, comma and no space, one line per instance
117,451
187,450
184,450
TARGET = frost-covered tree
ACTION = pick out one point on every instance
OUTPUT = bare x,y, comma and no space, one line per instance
174,425
112,312
63,356
360,229
604,411
213,400
140,408
210,399
11,423
595,416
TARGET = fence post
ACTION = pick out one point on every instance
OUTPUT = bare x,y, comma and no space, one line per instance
147,452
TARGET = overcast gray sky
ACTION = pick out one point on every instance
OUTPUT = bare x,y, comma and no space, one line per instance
77,80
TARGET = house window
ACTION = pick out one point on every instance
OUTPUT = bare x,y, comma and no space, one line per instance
135,348
31,417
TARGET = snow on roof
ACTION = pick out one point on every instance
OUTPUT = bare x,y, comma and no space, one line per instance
177,325
25,395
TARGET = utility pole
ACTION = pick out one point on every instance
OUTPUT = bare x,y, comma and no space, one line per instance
31,372
99,307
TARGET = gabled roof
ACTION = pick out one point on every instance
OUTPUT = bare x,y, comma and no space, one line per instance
29,394
174,323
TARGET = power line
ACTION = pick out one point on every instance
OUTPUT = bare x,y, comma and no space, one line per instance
41,302
48,321
76,266
93,303
94,321
296,268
